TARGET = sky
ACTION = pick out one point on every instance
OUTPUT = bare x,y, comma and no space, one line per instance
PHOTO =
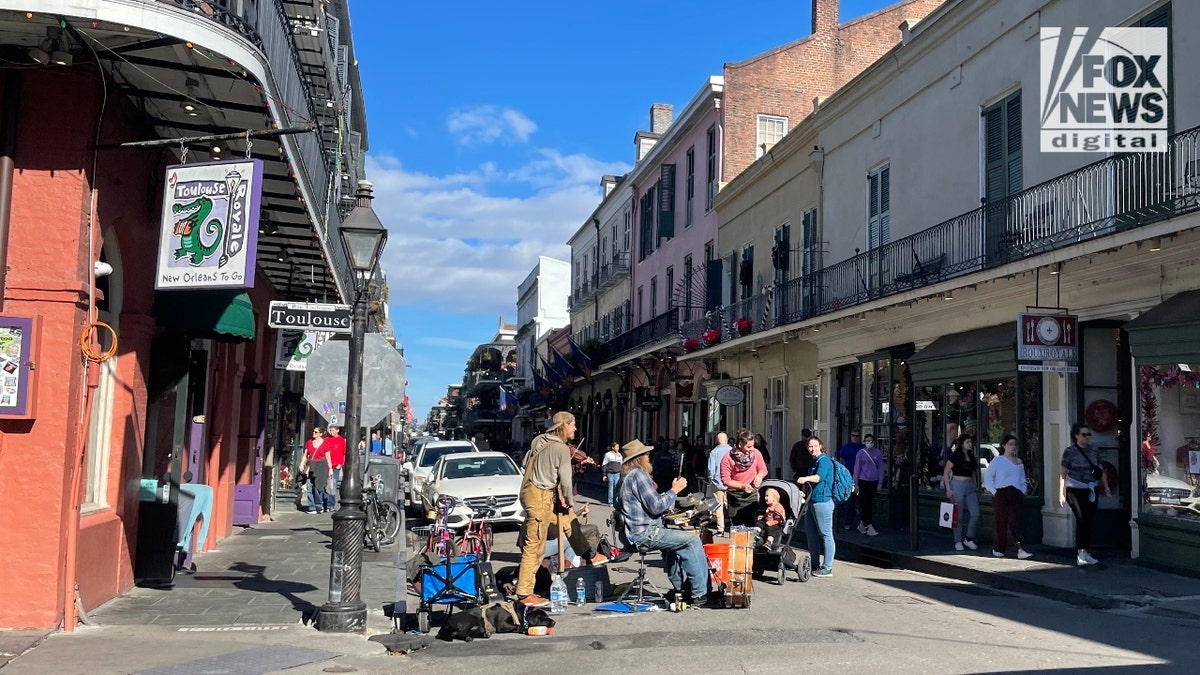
489,127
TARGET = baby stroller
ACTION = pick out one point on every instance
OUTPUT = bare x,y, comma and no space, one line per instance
779,555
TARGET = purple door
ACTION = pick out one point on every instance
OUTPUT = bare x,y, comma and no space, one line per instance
247,494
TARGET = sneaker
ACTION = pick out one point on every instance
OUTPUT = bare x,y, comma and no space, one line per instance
1088,557
871,531
861,529
534,601
1081,561
970,543
312,511
958,546
997,554
1024,555
599,559
822,572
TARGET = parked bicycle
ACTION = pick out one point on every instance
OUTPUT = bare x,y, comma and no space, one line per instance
383,517
440,541
476,537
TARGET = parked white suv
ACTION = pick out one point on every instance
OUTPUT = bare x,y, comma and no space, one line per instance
417,468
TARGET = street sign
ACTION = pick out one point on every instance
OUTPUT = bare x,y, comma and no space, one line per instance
384,380
309,315
1047,337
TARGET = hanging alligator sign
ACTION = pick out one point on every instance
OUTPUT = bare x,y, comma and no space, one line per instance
209,227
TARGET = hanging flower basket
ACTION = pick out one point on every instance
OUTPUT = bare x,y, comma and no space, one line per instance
711,337
691,344
743,325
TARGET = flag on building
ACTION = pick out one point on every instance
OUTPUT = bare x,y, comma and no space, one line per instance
565,369
582,361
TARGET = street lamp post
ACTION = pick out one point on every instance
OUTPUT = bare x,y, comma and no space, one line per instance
363,237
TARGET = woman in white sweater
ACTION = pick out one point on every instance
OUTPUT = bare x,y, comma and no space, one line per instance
1005,479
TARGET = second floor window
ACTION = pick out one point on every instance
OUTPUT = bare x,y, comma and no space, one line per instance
771,128
691,185
711,177
653,297
670,289
879,207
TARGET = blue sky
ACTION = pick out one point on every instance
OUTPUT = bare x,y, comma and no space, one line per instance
490,125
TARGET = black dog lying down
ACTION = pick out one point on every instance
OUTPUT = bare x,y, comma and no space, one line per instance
498,617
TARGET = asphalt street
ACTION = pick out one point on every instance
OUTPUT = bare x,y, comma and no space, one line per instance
258,588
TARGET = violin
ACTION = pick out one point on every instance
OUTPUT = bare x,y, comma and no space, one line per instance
578,456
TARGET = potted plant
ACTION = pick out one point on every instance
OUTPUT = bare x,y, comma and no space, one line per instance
743,325
711,336
691,344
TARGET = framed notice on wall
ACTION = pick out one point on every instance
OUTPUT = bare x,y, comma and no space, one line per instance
19,339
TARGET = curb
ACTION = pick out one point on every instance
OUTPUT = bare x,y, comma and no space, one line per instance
880,557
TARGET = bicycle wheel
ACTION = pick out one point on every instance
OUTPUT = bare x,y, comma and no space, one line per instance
389,520
371,527
469,544
488,541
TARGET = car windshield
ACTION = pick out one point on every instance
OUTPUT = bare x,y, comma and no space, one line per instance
474,468
432,455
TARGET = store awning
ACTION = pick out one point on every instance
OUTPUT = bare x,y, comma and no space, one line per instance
980,354
1167,332
225,315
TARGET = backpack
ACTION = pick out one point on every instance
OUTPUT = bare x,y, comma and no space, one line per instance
843,483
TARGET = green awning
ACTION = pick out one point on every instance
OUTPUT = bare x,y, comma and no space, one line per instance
980,354
1167,332
225,315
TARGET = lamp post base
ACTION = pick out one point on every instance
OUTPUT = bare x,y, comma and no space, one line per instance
342,618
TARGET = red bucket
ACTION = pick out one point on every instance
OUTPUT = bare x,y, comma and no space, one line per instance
718,561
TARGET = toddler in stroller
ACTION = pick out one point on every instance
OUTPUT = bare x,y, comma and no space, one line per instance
782,506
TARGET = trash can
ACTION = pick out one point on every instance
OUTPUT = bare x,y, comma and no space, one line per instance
157,539
388,469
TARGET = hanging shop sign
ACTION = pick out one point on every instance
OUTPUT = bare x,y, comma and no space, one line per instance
293,347
730,395
1047,337
651,404
208,234
309,316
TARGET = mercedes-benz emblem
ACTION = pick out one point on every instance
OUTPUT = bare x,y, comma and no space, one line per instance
491,500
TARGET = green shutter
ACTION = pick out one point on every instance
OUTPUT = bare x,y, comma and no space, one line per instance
666,201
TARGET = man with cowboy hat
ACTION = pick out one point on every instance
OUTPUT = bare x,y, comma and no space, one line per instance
546,498
641,508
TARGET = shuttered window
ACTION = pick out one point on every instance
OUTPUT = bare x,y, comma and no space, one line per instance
879,200
1002,149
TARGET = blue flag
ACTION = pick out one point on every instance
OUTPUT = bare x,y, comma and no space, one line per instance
565,369
582,361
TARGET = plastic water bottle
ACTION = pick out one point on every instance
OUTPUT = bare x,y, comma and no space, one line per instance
558,595
580,592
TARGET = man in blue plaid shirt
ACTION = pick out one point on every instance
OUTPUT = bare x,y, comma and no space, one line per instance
641,508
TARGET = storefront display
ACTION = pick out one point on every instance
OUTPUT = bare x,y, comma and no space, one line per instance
1170,432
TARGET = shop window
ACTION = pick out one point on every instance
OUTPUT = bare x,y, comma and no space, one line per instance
1169,434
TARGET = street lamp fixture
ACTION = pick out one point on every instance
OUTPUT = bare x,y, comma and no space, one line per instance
363,237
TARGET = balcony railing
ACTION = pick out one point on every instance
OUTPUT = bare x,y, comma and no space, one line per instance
614,270
654,330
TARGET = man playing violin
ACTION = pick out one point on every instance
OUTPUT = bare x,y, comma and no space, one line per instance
547,497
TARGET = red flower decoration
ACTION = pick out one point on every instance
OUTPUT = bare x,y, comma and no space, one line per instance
743,325
691,344
711,336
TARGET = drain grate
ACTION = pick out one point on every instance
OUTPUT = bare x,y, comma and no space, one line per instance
897,600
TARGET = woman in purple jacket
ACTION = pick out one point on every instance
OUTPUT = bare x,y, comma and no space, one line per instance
868,476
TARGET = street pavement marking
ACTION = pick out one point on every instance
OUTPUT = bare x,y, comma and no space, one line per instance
221,629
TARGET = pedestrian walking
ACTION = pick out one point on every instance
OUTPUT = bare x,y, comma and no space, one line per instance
962,489
868,477
1081,473
848,512
316,463
818,523
611,465
1005,479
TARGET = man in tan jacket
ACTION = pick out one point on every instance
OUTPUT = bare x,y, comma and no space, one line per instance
546,493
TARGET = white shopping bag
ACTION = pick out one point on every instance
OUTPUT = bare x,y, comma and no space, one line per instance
949,515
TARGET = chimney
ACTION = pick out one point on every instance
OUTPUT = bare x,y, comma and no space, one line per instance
824,15
660,117
364,194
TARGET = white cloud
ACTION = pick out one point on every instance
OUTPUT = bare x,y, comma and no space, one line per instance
453,243
488,124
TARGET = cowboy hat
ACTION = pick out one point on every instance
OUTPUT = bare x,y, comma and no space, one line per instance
634,449
560,418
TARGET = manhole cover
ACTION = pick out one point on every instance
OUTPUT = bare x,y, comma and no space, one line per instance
897,600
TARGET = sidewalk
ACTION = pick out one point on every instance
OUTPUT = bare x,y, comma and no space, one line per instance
1118,582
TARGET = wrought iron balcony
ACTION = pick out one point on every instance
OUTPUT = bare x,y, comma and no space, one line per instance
659,328
1112,195
614,270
